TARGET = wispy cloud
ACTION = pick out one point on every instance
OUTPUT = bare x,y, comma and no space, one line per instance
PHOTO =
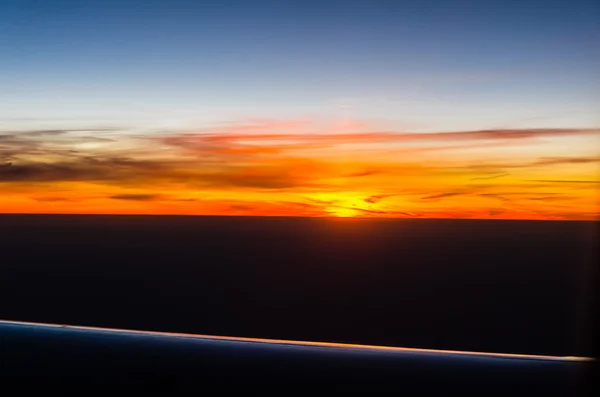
499,175
551,198
441,195
51,132
52,199
200,139
495,196
566,160
79,170
136,197
565,181
242,207
378,197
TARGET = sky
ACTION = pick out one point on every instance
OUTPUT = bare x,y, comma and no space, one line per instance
416,108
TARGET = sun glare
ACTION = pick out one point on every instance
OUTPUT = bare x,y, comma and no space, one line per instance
342,212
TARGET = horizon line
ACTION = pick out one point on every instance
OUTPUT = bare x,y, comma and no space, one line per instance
295,217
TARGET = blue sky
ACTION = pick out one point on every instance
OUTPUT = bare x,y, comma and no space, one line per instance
419,65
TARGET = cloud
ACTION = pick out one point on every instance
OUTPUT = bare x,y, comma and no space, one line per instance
566,160
192,174
473,191
496,211
499,175
442,195
362,173
362,210
377,198
510,134
53,132
256,179
249,157
78,170
265,158
318,205
262,141
52,199
277,142
55,144
12,135
550,198
136,197
495,196
497,168
268,138
241,207
39,172
564,181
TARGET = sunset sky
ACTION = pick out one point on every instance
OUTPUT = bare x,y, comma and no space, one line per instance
374,108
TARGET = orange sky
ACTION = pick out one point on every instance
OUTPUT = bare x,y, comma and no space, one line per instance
289,168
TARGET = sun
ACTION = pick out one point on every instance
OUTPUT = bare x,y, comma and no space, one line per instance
342,212
344,205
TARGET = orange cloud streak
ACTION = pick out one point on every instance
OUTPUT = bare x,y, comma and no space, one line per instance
278,169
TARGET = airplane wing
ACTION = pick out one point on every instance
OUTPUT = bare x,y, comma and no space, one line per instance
63,357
